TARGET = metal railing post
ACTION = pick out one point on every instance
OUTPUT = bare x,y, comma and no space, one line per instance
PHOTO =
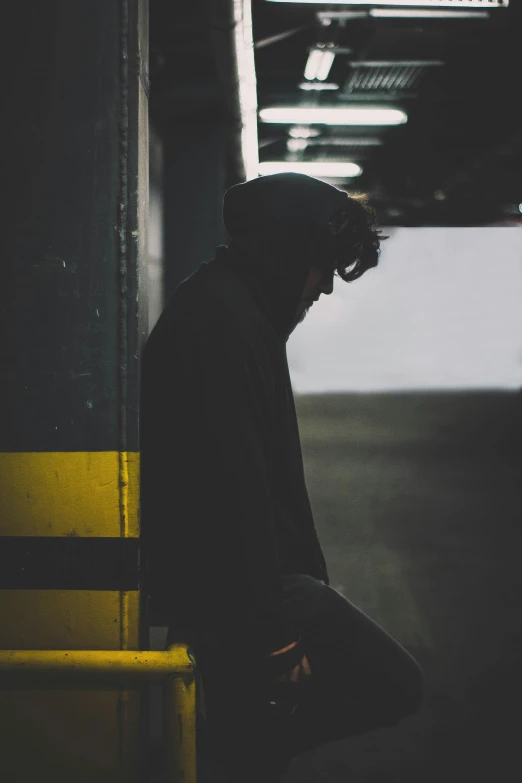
175,669
179,728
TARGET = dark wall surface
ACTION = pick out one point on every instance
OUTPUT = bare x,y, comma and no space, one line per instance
417,500
69,279
194,181
187,111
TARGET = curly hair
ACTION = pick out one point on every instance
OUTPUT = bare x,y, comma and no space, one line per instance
355,237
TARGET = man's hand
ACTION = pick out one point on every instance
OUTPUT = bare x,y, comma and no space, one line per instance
299,674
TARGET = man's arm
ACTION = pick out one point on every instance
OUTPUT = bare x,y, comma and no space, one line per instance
237,406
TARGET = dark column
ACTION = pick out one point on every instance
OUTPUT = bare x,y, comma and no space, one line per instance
75,108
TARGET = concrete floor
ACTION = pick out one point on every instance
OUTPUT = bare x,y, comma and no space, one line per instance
417,500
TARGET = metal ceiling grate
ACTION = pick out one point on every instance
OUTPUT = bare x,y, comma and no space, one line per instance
386,76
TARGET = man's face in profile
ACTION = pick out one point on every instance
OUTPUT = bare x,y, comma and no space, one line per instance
318,282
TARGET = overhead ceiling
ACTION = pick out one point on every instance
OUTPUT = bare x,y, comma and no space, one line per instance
458,158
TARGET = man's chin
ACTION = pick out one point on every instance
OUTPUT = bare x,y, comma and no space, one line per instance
298,320
304,314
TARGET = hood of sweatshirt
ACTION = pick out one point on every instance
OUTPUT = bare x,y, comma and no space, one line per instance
278,229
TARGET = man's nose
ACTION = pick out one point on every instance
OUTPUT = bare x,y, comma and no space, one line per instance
326,285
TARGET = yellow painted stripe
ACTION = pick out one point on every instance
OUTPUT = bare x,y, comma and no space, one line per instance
69,735
67,620
69,493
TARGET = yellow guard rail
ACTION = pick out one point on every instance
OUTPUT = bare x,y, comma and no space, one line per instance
174,668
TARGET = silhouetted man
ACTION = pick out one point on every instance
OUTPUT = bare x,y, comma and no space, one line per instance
287,662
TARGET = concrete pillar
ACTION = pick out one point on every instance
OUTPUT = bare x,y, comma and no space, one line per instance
72,320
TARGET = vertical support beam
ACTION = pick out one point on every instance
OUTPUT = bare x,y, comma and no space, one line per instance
179,729
232,41
71,325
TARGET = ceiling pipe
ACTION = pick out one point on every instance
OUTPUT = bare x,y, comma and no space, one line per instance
232,42
272,39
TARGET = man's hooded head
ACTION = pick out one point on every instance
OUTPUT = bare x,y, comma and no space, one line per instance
281,225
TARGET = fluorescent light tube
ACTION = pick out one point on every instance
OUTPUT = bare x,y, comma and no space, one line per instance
315,58
315,168
324,66
333,115
296,145
326,17
347,141
303,132
430,3
403,13
318,86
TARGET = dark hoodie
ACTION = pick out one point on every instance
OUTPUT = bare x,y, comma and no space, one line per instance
225,510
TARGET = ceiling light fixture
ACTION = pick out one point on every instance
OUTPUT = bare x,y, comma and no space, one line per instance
326,17
297,145
419,13
430,3
315,57
333,115
318,86
303,132
316,168
346,141
319,63
324,66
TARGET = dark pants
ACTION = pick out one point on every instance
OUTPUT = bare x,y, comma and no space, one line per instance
362,679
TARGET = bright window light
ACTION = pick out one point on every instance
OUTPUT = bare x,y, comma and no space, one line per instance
402,342
333,115
315,168
430,3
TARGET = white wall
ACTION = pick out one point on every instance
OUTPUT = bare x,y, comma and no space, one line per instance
443,310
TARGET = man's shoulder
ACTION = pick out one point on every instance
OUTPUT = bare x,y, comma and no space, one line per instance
210,311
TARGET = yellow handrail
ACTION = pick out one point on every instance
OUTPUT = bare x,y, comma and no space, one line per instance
175,668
